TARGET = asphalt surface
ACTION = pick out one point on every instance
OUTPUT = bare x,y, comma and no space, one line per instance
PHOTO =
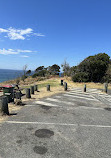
69,125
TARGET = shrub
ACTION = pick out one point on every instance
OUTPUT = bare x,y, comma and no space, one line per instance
34,75
80,77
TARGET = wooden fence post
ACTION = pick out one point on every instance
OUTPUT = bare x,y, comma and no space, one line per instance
28,93
84,88
32,89
4,105
65,86
106,87
48,87
61,82
35,88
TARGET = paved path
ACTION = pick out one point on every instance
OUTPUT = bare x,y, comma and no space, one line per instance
69,125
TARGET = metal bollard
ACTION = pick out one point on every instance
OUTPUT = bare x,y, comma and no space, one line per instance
28,93
61,82
4,105
84,88
65,86
48,87
32,89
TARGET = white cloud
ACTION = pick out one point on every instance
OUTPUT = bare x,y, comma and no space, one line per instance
12,51
21,34
39,34
24,56
2,30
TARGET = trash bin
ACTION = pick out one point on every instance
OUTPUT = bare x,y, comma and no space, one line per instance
8,91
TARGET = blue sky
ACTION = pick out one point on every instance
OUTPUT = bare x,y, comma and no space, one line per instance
45,32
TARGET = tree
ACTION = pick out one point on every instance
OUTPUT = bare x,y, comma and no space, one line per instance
66,68
40,71
24,72
40,68
28,72
80,77
95,66
54,69
107,77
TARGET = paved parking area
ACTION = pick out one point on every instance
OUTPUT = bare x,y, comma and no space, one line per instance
69,125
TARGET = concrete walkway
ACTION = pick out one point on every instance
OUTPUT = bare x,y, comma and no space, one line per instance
69,125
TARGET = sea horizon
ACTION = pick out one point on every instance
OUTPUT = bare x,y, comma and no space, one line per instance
9,74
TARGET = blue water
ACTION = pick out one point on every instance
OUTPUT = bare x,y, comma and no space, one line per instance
6,75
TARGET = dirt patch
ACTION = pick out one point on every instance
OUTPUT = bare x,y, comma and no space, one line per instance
40,150
44,133
19,141
45,107
108,109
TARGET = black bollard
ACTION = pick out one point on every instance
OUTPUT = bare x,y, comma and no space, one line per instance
65,86
84,88
48,87
106,87
28,93
18,95
35,88
32,89
61,82
4,105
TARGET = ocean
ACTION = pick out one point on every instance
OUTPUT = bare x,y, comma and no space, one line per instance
6,74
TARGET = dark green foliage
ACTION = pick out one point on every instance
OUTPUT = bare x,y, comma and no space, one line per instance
54,69
107,77
40,68
34,75
40,71
94,66
28,72
80,77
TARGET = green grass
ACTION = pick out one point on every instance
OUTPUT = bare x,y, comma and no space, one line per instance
52,83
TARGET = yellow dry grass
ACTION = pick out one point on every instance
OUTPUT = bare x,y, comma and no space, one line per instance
43,93
88,84
12,109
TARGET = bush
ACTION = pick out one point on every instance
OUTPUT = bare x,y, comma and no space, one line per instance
34,75
80,77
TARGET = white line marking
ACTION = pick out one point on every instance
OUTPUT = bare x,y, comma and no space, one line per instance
60,101
82,95
61,97
91,108
59,124
45,103
72,108
58,96
68,95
